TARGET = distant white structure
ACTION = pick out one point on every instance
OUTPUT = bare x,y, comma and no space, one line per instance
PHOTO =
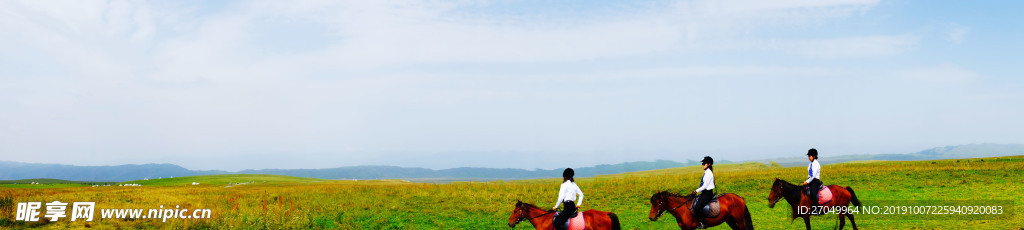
130,185
195,183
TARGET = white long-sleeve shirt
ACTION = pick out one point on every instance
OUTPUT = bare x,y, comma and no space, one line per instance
568,192
708,182
813,171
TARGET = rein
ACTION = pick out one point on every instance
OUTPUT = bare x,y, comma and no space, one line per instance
544,214
680,205
782,194
671,209
522,215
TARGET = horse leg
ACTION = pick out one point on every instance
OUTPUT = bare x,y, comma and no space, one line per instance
842,221
852,223
732,223
807,222
737,221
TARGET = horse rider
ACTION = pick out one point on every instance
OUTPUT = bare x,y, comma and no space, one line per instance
566,196
813,179
706,191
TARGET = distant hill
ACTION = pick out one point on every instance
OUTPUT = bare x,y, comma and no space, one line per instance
15,170
51,181
224,179
947,152
465,173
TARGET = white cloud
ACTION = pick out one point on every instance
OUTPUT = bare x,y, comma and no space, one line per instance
381,33
946,74
400,75
748,6
850,47
958,33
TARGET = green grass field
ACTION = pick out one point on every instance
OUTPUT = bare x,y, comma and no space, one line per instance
302,203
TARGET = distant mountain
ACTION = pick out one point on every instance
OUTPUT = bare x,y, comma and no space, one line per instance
51,181
467,173
971,151
15,170
947,152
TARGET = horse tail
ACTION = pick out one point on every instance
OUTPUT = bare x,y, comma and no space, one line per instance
615,221
749,222
853,197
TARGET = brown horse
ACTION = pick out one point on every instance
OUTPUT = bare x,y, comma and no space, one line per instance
798,200
733,210
541,219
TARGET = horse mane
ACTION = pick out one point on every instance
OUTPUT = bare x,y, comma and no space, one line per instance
672,194
784,182
529,205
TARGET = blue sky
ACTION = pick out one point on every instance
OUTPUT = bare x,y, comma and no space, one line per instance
511,84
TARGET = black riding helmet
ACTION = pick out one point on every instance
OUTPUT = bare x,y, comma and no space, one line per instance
568,174
813,152
707,159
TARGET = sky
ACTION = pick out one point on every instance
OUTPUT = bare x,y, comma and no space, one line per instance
232,85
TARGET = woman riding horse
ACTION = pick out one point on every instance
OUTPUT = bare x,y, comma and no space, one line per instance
732,210
566,195
799,201
813,180
706,191
541,218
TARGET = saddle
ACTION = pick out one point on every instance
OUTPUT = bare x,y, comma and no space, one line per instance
824,195
576,222
712,209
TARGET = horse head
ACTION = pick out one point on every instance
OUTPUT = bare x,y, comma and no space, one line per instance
659,201
776,193
518,214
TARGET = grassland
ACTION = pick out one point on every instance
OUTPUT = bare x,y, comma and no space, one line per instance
47,183
303,203
226,179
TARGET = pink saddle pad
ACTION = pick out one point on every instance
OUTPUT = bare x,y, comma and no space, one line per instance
825,195
577,223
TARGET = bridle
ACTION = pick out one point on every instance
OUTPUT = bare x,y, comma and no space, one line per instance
661,203
522,215
781,194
